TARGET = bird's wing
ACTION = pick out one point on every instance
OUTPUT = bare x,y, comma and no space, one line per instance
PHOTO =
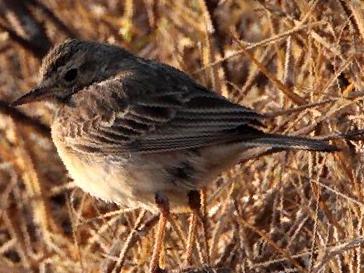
144,114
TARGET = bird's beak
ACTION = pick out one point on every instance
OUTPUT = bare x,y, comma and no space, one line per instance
36,94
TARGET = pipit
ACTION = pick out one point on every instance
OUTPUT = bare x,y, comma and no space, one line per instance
144,134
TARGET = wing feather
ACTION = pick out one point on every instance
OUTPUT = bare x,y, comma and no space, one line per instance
182,115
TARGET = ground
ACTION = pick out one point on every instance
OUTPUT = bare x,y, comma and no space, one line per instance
299,61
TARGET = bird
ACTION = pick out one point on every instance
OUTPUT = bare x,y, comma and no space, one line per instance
143,134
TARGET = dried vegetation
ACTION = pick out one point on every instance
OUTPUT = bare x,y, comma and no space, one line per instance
287,212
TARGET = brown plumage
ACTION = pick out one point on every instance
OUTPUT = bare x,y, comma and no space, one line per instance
130,129
128,115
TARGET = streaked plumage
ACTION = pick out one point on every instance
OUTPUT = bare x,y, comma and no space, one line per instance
128,128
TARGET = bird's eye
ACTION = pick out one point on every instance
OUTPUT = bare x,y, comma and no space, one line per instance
70,75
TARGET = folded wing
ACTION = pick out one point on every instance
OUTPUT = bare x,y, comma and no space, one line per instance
146,117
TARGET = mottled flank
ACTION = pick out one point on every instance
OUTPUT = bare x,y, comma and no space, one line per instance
182,171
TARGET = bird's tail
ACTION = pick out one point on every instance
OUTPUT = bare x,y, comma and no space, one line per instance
294,143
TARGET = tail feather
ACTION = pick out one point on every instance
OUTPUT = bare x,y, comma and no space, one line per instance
294,143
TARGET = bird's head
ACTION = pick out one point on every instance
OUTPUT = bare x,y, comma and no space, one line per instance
71,66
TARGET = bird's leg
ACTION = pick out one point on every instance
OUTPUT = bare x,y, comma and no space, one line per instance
194,202
163,205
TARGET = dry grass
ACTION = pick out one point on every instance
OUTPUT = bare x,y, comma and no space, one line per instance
288,212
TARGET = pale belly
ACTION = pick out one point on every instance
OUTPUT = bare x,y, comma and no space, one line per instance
133,182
